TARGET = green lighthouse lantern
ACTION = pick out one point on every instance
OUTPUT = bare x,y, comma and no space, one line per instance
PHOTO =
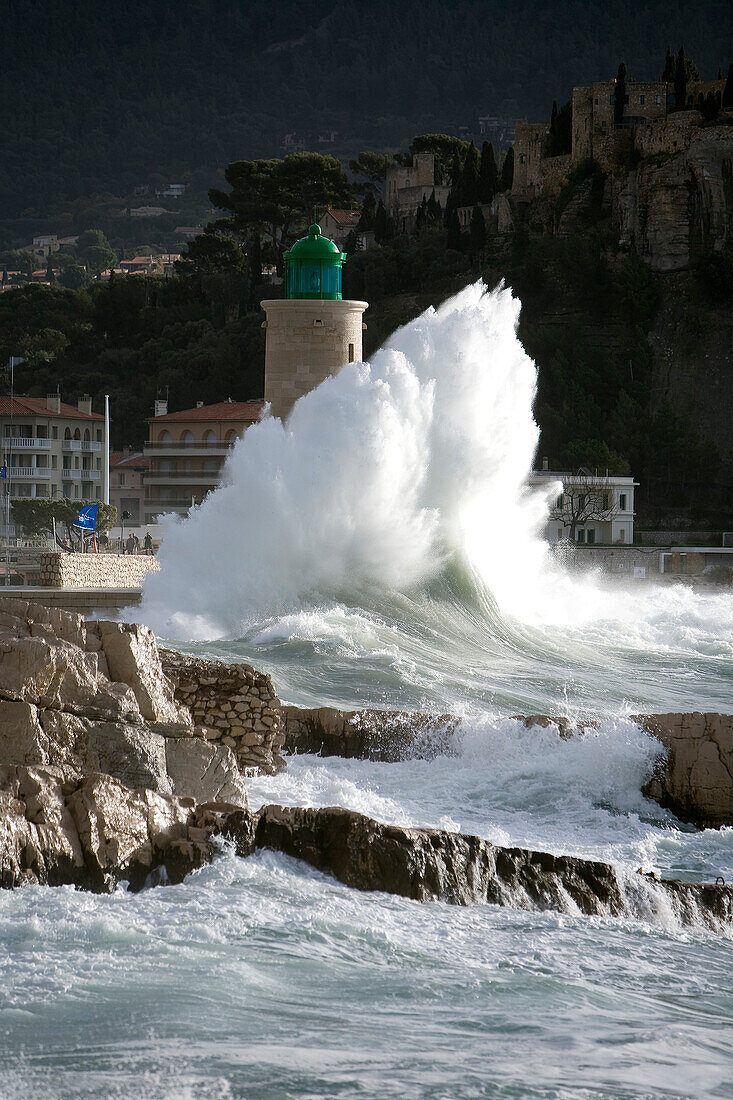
313,267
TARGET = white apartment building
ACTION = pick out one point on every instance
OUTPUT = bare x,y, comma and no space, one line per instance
51,449
591,509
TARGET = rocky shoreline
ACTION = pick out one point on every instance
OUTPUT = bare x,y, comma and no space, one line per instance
120,762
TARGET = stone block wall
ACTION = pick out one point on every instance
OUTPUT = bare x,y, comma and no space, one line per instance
230,704
95,570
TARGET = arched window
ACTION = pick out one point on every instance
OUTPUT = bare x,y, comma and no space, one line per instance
87,435
187,438
77,433
67,433
165,437
231,438
210,438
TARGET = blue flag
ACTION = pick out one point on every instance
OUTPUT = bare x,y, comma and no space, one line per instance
3,471
87,520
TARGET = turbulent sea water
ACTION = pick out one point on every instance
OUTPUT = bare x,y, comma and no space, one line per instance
382,549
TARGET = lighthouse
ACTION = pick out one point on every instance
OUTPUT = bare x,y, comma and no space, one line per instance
312,331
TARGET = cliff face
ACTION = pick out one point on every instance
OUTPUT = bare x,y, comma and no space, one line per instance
693,361
675,206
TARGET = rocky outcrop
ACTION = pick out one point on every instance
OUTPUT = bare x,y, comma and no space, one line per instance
677,205
88,697
232,705
92,833
430,864
390,735
96,833
368,734
695,778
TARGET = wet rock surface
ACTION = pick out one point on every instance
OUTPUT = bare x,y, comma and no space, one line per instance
695,779
431,864
368,734
95,833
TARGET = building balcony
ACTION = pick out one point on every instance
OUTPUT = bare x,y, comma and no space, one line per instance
175,477
170,505
187,448
81,445
36,473
81,475
18,443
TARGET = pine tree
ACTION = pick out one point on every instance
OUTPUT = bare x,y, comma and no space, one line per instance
668,73
478,232
620,97
488,178
680,79
470,177
507,171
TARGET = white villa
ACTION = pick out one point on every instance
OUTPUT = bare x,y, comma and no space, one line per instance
591,509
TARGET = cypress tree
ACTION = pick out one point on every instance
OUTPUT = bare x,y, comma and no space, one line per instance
470,177
619,100
455,180
368,211
680,79
728,90
478,231
488,178
380,224
421,216
507,171
452,224
435,210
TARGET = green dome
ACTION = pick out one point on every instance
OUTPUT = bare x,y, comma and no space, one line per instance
313,267
314,247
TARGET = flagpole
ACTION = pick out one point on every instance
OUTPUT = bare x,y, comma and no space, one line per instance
105,463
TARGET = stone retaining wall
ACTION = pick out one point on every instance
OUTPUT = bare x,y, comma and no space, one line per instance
232,704
95,570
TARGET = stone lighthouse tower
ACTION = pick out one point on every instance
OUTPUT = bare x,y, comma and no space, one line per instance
312,331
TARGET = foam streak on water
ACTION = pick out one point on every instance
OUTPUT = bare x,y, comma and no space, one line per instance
381,548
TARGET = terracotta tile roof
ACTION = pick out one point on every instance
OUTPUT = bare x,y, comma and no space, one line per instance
344,217
36,406
123,458
222,410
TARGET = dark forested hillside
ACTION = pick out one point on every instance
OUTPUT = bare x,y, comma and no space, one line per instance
106,95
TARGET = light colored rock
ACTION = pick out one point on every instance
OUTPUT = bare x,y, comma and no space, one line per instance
132,656
51,672
695,781
204,772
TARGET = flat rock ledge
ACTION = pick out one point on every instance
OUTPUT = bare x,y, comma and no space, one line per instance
94,833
